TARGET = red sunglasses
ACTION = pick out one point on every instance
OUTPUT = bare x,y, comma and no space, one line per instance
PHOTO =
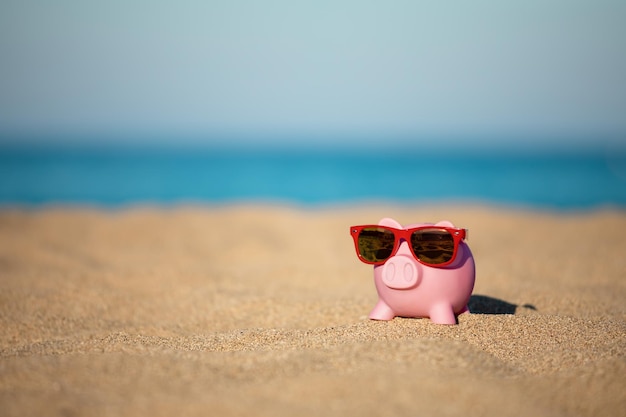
431,245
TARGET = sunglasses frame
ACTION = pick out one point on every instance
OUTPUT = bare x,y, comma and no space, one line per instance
458,235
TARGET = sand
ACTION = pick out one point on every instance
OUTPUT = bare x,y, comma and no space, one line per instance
261,310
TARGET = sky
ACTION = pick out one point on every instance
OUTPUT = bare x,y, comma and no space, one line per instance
348,72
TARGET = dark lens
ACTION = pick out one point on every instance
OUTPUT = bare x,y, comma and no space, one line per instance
375,244
433,246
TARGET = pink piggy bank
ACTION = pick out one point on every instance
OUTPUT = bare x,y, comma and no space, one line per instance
421,270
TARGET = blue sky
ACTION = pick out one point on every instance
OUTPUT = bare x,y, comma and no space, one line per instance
347,71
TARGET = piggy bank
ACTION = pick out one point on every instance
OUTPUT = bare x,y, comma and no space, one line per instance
420,270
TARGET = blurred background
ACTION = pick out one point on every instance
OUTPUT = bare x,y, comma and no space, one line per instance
118,102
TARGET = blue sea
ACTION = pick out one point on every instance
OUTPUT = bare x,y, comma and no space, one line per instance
119,176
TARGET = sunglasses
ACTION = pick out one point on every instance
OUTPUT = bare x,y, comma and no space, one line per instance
431,245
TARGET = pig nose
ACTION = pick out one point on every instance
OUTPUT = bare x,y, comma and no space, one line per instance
400,272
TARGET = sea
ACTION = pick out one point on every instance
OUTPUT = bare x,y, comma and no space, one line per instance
118,176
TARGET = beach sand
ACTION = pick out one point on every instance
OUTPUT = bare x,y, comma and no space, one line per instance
261,310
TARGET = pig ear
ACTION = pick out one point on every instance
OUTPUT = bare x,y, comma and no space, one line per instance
444,223
389,223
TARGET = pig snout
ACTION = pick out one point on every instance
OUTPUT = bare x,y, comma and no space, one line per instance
400,272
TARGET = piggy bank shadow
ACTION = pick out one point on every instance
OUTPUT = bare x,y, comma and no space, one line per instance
483,304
